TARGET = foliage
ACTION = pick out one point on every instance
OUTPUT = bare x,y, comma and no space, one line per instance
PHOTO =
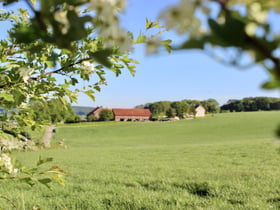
158,108
211,105
53,45
181,109
106,115
238,33
53,111
170,113
91,118
210,163
252,104
11,170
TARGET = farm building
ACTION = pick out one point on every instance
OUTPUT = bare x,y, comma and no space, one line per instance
124,114
132,114
200,111
95,112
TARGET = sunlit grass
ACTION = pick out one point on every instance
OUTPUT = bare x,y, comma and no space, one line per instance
229,161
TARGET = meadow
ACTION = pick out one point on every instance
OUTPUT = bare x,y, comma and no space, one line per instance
226,161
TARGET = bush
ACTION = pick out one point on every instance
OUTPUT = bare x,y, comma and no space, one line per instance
106,115
91,118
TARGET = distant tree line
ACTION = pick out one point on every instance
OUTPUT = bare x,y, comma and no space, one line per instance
180,108
252,104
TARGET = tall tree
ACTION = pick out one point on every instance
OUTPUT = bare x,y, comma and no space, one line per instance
211,105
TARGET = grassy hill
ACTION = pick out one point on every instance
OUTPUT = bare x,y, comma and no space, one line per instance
229,161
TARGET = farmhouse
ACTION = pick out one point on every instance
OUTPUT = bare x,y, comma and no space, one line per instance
132,114
124,114
200,111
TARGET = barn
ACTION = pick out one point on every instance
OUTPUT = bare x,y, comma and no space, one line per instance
95,112
132,114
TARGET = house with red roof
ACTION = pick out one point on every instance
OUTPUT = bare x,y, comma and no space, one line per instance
125,114
132,114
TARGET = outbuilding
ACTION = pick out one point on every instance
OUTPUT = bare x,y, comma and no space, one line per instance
200,111
132,114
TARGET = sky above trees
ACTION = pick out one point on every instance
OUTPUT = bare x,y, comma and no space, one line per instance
180,75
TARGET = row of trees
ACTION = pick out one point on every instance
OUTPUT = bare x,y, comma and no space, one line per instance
252,104
187,107
180,108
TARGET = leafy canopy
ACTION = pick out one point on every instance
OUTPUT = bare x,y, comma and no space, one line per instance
54,45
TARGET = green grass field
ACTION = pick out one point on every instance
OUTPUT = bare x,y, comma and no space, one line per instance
228,161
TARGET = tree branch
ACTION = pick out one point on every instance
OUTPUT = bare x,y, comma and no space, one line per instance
69,66
37,16
259,47
9,201
57,71
265,52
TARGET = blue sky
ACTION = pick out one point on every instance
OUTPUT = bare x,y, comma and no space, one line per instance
180,75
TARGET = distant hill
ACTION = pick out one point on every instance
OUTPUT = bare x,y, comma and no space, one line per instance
82,110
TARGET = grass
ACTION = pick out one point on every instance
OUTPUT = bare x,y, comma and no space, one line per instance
229,161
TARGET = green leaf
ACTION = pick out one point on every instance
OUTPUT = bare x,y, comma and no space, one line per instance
194,43
232,32
90,93
102,57
44,160
45,181
7,2
149,24
74,81
28,180
59,178
7,97
274,84
167,45
141,38
97,88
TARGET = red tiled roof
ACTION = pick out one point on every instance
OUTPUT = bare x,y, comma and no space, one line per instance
132,112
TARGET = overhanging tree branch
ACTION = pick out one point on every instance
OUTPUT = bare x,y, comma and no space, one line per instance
255,43
37,16
57,71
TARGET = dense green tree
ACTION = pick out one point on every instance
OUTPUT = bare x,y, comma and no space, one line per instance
181,108
211,105
252,104
91,118
53,111
159,108
171,113
275,105
106,115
